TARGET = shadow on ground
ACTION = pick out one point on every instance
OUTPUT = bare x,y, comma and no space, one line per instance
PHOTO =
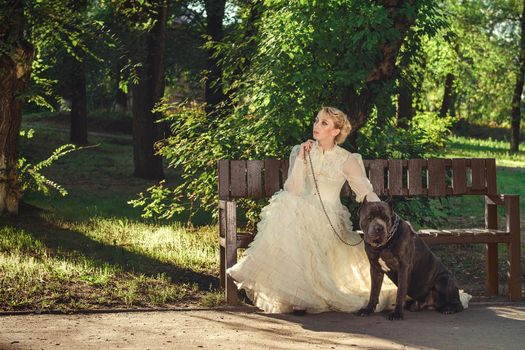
65,243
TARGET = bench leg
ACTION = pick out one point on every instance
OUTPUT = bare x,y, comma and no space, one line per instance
491,222
230,290
231,252
491,283
514,277
513,226
222,266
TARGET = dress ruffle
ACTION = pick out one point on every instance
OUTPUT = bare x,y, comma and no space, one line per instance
296,260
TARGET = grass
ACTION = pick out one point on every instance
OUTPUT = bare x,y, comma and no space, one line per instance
464,147
91,250
50,263
510,173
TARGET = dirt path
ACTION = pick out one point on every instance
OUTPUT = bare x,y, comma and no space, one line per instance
482,326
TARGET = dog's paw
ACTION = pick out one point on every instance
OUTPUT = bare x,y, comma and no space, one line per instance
364,312
395,316
451,309
412,305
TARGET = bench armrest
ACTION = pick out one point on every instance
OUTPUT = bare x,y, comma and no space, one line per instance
512,204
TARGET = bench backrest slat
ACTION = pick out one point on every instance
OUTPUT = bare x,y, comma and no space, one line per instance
490,166
272,168
416,169
395,177
389,177
459,175
376,175
478,174
436,178
238,178
255,172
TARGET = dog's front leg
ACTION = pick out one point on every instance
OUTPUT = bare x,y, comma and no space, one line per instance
402,285
376,277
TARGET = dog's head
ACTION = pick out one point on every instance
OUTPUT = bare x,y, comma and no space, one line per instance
375,219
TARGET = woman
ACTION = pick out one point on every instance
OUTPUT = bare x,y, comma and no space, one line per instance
296,262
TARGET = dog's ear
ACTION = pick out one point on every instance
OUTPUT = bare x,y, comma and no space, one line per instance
391,206
364,201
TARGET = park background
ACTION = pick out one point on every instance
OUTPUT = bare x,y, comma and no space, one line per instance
114,113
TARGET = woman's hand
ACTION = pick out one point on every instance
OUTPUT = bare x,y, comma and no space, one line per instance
305,148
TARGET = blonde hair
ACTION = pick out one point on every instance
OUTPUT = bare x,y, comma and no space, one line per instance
340,120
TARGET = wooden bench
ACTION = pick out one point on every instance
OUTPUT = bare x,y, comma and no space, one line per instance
415,177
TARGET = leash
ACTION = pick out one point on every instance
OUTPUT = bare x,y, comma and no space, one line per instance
324,209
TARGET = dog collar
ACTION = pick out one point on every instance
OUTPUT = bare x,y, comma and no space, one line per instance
393,229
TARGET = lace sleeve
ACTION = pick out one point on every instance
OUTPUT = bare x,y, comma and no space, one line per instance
295,181
355,174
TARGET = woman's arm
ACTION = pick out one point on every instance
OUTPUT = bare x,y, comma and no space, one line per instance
296,174
354,171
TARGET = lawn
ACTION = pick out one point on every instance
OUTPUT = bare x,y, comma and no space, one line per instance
91,250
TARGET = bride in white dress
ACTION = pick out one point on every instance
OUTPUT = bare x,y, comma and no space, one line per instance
296,261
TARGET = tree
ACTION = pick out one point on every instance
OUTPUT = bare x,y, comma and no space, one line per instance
214,30
25,26
303,60
148,92
470,64
301,55
518,90
448,96
16,58
78,126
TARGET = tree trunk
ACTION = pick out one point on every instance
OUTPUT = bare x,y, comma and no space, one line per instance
15,70
448,96
121,97
358,104
405,110
255,9
78,114
518,91
146,94
78,127
214,28
121,101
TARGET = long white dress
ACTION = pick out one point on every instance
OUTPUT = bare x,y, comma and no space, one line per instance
295,258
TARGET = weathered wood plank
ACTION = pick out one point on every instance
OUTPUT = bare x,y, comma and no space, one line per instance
436,177
395,177
416,167
254,169
223,182
271,176
238,178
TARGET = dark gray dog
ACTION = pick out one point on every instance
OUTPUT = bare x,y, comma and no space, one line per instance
393,247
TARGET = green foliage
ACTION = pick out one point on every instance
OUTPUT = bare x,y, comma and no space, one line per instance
194,148
480,47
30,175
425,137
306,55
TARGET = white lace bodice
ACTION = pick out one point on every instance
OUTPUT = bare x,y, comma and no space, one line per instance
332,168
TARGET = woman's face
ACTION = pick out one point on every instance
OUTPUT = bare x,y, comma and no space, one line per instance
324,128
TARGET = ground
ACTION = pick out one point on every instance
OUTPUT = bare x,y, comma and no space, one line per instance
482,326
